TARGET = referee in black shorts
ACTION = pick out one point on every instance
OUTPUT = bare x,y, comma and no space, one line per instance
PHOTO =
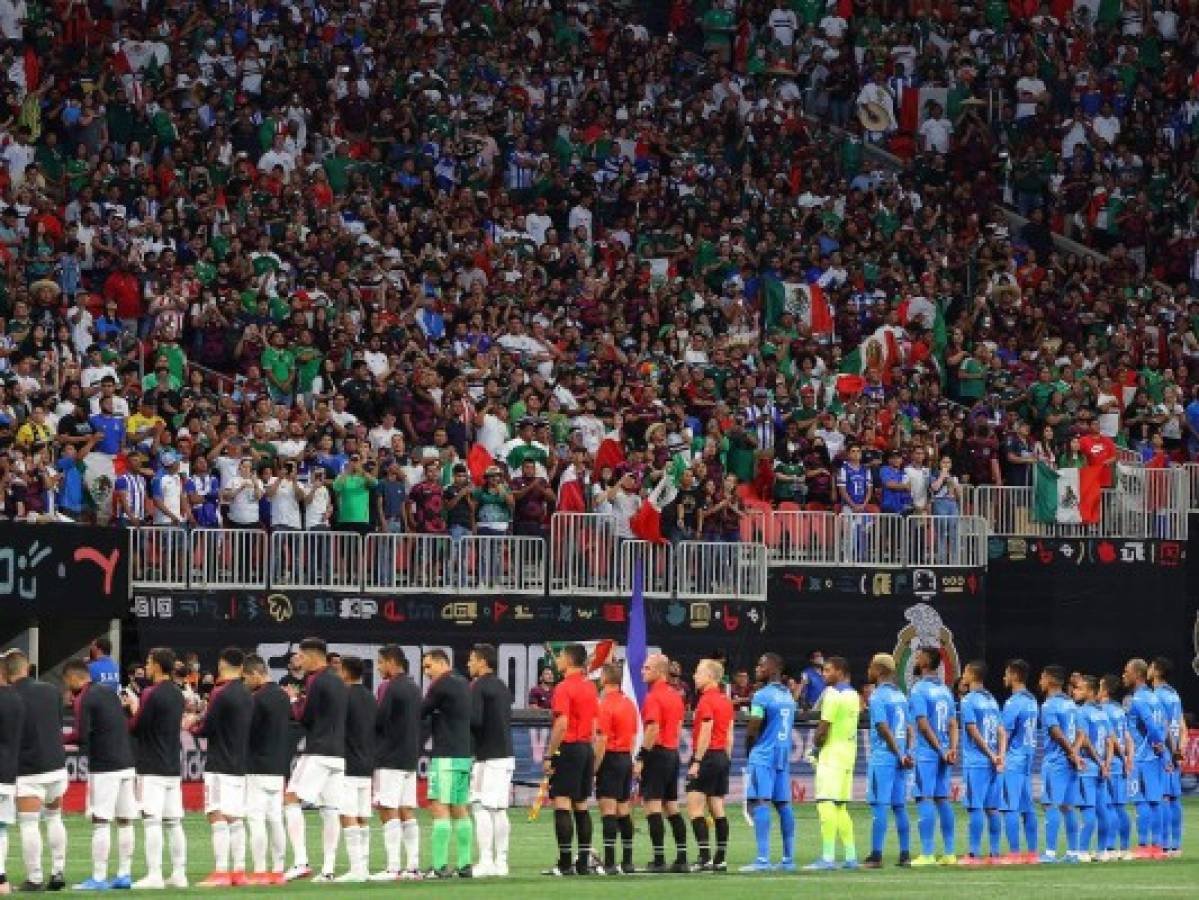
569,760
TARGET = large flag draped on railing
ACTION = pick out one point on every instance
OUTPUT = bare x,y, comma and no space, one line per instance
1067,496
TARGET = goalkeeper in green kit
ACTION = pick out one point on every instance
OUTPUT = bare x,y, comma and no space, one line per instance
837,748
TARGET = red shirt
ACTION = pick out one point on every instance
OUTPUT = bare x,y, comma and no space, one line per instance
714,707
664,706
617,721
575,698
1100,450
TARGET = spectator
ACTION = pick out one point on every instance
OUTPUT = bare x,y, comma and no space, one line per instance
542,693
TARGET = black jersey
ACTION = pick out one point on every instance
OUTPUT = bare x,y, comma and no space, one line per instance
447,706
226,725
41,732
322,713
398,725
271,740
491,718
102,730
155,729
12,725
360,732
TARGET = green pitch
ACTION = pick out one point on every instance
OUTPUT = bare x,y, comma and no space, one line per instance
532,849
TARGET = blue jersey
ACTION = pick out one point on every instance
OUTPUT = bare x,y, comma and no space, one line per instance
1118,722
133,486
855,480
1061,711
775,706
1098,727
888,704
1020,720
980,710
1146,721
933,701
104,673
1172,710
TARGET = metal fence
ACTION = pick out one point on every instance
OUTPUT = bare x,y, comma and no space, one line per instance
1192,474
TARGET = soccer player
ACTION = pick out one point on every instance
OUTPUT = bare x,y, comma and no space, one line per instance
1097,748
769,738
491,776
155,723
657,764
933,710
890,761
320,768
1060,765
268,762
1120,828
102,734
1146,721
836,741
12,721
397,751
355,804
613,748
982,762
708,772
570,760
447,705
226,725
41,775
1176,740
1020,723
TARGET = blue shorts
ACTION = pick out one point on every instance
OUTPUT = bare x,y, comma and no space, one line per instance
1088,791
1017,792
887,784
1146,785
1117,788
1171,780
982,788
1059,787
767,783
932,779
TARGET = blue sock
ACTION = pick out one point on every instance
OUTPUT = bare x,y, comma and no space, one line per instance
1123,826
1089,824
1174,810
1071,819
1011,824
787,826
762,831
994,830
1103,819
977,821
903,828
945,813
1145,818
878,828
1158,823
1030,829
926,823
1053,827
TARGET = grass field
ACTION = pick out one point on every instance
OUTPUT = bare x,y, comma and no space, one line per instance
532,849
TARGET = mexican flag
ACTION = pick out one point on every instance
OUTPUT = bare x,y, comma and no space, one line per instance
804,301
879,351
598,653
1066,496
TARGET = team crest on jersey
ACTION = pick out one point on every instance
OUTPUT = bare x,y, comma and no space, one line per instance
925,629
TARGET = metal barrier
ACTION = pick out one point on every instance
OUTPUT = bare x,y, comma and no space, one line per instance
228,558
872,539
411,563
957,541
1126,457
583,554
1192,474
511,565
158,557
657,568
708,570
321,560
803,538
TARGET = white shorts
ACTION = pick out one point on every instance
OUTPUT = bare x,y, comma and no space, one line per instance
111,795
355,796
317,779
8,804
48,787
491,782
395,789
264,796
225,794
160,796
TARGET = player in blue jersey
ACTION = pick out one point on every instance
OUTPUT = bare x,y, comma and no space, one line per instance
1097,749
890,761
1146,721
1020,721
935,716
770,736
1119,830
983,749
1060,766
1176,739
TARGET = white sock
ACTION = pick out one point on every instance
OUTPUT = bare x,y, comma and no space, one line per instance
153,833
257,826
56,837
483,834
31,845
295,834
412,843
501,827
101,845
3,849
220,846
364,850
330,835
126,841
353,839
178,848
278,840
237,845
393,837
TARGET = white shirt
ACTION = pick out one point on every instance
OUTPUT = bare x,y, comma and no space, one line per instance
316,510
95,374
243,508
580,215
18,156
272,158
1028,85
120,406
783,25
12,17
380,437
1107,127
918,480
936,134
170,487
537,225
285,504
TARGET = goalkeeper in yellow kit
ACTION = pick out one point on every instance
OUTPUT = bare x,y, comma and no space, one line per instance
837,745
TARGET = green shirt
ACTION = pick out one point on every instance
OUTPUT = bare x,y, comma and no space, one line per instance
280,363
353,497
840,707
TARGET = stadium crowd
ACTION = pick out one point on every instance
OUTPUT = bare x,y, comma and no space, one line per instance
421,265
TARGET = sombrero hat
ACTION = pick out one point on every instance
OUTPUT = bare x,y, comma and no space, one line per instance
873,117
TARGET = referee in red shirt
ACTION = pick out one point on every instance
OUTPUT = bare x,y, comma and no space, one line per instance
658,763
708,773
614,768
570,759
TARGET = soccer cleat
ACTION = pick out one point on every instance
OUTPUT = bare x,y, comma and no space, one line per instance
904,861
352,877
786,864
583,867
1048,859
607,871
758,865
821,865
627,868
500,869
385,876
177,880
31,887
947,859
465,872
555,872
57,882
216,880
1071,859
720,868
149,883
295,873
924,860
411,875
484,870
1143,852
93,884
324,878
971,860
851,864
873,861
679,867
655,868
701,865
238,879
121,883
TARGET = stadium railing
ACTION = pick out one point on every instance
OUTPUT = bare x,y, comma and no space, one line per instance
1192,470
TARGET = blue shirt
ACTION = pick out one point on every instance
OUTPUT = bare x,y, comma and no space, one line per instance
105,673
1020,720
813,686
893,501
855,480
1118,722
70,486
980,710
112,429
775,706
1061,711
888,705
933,701
1146,721
1172,710
1098,728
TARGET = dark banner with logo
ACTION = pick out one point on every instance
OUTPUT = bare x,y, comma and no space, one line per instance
1103,553
67,571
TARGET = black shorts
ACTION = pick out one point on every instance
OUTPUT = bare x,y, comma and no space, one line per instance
614,780
660,775
712,779
573,772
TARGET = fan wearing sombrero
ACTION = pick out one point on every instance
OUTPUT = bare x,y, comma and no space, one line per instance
876,105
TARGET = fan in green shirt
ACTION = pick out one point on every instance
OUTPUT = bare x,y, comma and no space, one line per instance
353,489
279,365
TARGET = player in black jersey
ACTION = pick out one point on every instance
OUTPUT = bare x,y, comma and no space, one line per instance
268,761
491,775
102,735
360,766
41,774
397,751
447,705
12,723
